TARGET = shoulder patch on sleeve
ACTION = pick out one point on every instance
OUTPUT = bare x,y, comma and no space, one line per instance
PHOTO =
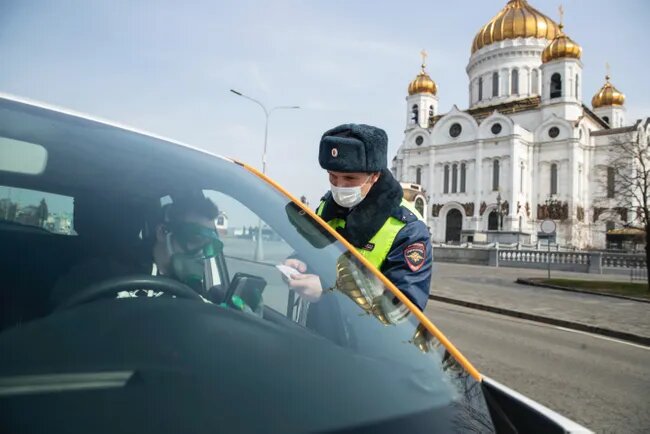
415,254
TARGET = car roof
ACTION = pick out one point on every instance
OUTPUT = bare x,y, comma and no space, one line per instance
30,103
85,152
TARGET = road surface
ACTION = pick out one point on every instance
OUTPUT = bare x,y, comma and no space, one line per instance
601,383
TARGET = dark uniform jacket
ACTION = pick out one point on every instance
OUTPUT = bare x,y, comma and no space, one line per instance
362,222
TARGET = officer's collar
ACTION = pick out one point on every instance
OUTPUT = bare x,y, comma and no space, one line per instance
364,221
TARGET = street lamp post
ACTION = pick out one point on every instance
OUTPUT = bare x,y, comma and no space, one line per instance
259,253
499,212
549,229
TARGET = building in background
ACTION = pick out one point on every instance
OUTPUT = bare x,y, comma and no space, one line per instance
526,149
414,194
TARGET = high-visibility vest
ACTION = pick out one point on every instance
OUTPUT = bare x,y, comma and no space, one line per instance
379,246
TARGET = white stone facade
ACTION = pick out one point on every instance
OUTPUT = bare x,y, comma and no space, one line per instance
523,138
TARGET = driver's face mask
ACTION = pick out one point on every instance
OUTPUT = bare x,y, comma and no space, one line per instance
198,244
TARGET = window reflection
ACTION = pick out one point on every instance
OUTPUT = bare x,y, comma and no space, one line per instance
368,292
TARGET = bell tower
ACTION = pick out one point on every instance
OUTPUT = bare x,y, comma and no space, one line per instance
562,76
422,99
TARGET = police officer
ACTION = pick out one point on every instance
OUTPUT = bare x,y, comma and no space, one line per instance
366,206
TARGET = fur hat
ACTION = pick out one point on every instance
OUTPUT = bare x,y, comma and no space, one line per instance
354,148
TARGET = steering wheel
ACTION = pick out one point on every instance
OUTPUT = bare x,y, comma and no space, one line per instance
130,283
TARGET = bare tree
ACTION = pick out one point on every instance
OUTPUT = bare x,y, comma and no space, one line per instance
628,182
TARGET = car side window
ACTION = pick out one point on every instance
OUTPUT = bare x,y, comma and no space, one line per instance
37,209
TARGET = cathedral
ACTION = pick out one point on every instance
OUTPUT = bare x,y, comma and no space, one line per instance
527,150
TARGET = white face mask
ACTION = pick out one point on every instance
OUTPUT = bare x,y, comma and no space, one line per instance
347,197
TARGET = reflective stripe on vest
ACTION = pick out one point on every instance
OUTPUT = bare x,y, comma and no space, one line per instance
378,248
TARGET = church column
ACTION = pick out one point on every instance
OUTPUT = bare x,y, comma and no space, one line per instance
574,192
514,182
524,81
478,176
535,176
507,77
588,169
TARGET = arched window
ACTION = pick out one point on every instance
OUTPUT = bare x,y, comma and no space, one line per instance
418,175
535,82
454,226
514,82
556,85
419,205
431,113
414,114
495,175
445,181
606,119
493,221
611,178
454,178
495,84
521,178
553,178
577,86
463,176
480,88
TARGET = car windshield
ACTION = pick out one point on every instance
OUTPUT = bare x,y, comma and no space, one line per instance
354,357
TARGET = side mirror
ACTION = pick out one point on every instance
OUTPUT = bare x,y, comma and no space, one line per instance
308,227
247,288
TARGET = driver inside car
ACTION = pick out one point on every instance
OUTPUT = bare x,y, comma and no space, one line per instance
183,238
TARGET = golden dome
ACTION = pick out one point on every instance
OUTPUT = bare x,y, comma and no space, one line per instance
561,47
517,19
423,84
607,95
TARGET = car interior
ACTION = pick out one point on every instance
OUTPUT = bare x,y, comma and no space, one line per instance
115,183
35,259
114,187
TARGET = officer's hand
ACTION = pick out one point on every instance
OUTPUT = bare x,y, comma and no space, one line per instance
308,286
297,264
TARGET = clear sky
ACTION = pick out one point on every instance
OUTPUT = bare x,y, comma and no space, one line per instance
166,66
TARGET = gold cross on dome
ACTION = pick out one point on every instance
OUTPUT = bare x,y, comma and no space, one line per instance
561,9
607,70
424,55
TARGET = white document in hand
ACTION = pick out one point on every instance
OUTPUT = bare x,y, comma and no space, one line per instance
288,272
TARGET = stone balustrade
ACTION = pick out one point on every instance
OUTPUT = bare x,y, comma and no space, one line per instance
623,260
566,261
577,261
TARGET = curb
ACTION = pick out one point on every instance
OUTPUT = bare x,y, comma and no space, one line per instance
532,282
630,337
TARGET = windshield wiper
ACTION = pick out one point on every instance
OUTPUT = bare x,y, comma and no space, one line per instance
53,383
